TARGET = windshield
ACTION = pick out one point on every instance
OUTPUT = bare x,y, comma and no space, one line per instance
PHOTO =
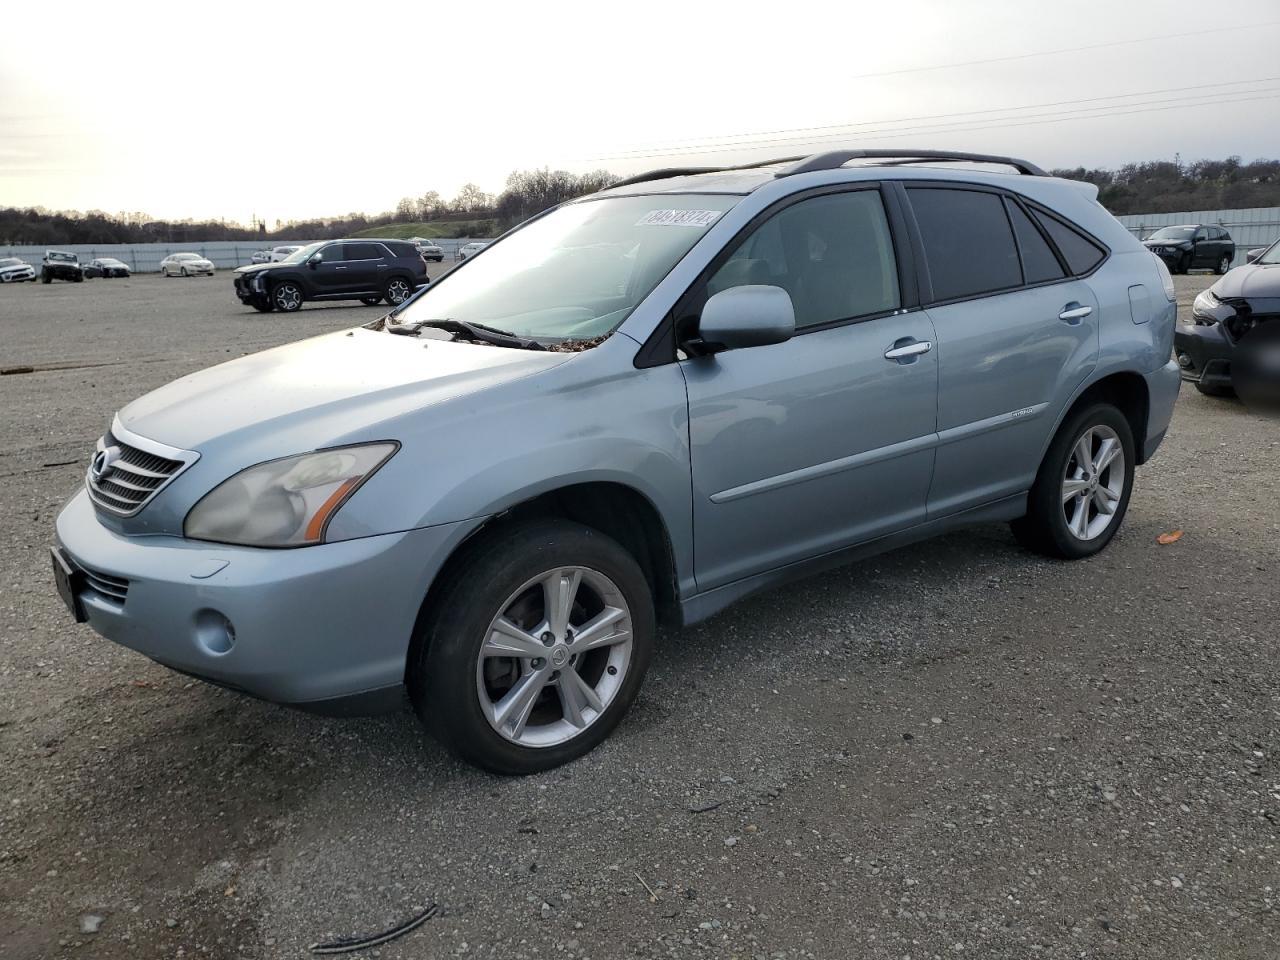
67,257
9,262
302,253
1173,233
575,273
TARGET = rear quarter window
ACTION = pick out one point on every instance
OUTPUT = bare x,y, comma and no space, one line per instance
1081,253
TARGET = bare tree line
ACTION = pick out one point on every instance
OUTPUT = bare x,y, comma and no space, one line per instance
1156,186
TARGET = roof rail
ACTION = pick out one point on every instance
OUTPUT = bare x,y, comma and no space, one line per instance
666,172
838,158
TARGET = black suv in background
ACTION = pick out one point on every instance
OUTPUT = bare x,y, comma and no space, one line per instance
1193,245
366,270
60,265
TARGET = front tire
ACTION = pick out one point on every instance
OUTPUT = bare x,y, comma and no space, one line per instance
262,306
1081,492
184,272
1184,264
371,301
534,647
286,297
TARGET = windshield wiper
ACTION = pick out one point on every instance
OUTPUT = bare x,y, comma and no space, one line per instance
471,331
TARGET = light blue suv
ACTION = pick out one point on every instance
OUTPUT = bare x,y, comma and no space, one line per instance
634,409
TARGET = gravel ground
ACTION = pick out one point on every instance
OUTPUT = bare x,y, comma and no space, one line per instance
955,749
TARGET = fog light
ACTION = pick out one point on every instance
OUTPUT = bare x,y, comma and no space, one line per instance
215,634
1184,361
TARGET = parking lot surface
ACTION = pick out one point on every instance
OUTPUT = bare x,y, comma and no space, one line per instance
958,749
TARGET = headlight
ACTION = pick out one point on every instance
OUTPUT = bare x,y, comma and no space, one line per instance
285,503
1165,279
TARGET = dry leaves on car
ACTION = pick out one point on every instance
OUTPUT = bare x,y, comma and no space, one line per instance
1173,536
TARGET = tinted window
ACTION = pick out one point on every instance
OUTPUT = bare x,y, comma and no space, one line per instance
335,251
1081,253
968,243
833,254
1038,260
364,251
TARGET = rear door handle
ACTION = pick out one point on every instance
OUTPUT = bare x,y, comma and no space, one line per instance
905,351
1074,313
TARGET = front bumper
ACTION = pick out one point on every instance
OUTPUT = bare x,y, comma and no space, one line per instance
1203,354
318,627
18,276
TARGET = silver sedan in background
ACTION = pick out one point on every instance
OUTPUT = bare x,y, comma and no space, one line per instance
185,265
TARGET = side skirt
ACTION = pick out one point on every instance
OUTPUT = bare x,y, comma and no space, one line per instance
703,605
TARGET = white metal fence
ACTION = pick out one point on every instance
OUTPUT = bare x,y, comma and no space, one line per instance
146,257
1256,227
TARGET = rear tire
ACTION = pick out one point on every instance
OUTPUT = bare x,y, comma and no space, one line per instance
397,291
1097,482
1224,264
459,691
184,272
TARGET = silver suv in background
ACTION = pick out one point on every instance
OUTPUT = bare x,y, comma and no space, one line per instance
636,408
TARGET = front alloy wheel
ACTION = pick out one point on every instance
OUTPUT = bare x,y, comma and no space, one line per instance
555,657
1224,264
287,297
533,646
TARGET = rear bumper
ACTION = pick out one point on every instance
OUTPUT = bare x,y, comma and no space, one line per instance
1162,394
325,628
1203,354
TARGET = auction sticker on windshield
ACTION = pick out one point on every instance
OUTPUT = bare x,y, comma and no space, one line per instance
678,218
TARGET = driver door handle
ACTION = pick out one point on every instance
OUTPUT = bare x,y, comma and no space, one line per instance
905,351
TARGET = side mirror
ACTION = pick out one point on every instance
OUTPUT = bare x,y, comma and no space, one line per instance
754,315
314,261
1253,255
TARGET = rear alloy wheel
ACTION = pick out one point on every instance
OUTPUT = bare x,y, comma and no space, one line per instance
535,647
1082,490
397,291
287,297
371,301
1224,264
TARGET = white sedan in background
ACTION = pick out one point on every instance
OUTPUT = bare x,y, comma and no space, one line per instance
470,249
261,256
279,253
13,270
185,265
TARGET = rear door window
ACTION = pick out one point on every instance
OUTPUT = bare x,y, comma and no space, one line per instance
1081,253
968,241
1039,263
363,251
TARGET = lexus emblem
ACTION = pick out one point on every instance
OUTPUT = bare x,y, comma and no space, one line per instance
102,464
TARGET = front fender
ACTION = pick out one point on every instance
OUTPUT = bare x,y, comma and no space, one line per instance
595,418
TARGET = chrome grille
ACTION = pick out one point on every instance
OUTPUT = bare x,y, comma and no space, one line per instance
127,470
114,589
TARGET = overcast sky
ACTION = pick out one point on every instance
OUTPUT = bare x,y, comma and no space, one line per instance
289,111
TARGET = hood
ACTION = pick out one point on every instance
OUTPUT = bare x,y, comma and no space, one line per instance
324,389
1252,281
16,266
256,267
1166,243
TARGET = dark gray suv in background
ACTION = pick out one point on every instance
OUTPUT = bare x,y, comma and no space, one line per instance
366,270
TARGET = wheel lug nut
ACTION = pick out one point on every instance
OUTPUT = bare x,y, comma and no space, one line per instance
548,639
613,671
538,663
